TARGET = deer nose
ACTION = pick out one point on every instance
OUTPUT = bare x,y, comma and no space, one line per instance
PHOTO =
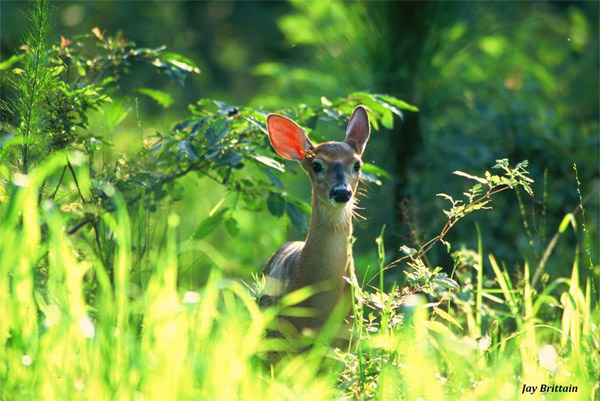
341,193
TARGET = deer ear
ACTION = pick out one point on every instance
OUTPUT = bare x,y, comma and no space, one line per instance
287,138
358,130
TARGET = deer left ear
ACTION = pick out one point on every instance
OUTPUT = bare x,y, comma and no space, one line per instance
357,133
287,138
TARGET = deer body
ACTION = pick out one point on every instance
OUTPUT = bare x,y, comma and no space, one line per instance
325,257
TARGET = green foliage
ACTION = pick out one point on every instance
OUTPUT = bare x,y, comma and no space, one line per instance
92,246
35,82
517,99
477,199
221,142
211,343
56,90
69,83
224,143
490,81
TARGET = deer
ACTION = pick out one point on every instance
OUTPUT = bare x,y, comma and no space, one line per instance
324,259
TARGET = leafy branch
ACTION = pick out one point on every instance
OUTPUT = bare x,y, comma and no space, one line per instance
476,198
223,142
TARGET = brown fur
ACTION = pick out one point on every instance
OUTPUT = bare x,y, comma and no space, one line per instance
325,257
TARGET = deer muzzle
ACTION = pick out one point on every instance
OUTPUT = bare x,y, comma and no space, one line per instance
341,193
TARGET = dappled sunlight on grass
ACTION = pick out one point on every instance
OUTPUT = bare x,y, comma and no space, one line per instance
63,341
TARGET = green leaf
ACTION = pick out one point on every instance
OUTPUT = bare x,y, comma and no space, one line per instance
446,316
6,64
301,204
523,164
446,196
448,245
493,180
276,204
209,224
232,159
216,132
225,109
469,176
325,102
181,62
375,170
81,70
387,119
232,227
7,140
401,104
269,162
437,327
115,113
187,151
298,218
204,107
407,250
501,163
370,178
443,280
162,98
274,179
212,152
569,218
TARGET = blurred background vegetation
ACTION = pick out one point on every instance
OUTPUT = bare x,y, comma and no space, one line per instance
491,80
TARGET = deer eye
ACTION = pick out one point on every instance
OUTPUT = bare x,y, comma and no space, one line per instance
357,167
317,168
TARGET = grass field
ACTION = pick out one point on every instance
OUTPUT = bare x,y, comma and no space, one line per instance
70,331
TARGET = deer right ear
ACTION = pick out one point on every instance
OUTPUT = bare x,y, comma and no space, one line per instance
287,138
359,129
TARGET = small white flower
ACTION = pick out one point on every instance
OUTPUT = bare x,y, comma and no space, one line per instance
484,342
21,180
87,327
548,357
79,384
26,360
191,297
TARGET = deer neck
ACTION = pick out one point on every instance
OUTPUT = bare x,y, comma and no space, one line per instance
327,253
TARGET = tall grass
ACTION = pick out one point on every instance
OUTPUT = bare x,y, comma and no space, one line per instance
63,340
101,315
70,332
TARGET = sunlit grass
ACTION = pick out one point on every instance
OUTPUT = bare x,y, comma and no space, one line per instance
72,330
139,303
